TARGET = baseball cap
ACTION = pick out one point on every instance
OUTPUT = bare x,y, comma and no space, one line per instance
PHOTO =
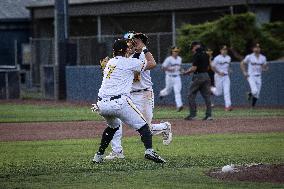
175,49
224,47
129,35
256,45
194,43
120,45
142,36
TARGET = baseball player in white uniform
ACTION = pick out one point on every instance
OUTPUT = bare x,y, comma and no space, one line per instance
142,96
114,102
172,67
221,66
256,64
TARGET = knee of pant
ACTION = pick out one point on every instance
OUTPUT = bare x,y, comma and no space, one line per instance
111,131
145,130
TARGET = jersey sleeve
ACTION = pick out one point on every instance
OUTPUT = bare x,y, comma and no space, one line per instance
264,60
137,65
215,61
230,59
246,60
166,62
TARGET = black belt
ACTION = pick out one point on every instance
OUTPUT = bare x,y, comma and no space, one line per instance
140,90
173,75
111,98
199,72
256,75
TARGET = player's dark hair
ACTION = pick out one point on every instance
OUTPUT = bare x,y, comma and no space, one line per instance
120,47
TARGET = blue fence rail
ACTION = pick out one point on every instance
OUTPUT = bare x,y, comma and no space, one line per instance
83,83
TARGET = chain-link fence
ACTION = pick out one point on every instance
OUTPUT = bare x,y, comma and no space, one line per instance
84,51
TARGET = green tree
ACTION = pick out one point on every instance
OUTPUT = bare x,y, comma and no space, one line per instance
239,32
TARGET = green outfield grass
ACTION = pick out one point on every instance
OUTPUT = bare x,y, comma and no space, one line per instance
66,163
43,113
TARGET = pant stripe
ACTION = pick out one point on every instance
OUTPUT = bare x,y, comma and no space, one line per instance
135,109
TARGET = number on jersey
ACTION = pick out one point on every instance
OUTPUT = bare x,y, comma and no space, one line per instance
110,70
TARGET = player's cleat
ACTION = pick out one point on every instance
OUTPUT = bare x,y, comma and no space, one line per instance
167,134
153,156
114,155
190,118
180,109
249,96
161,97
227,109
212,105
98,158
207,118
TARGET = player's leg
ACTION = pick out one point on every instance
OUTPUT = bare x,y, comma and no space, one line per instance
205,93
159,128
218,89
113,126
177,90
258,86
117,150
167,90
227,94
254,90
194,88
134,118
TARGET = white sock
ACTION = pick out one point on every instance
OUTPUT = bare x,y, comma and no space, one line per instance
149,151
158,128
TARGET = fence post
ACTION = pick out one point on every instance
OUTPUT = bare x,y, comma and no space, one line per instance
158,48
78,51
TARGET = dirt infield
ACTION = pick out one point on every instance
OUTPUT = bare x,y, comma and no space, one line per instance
91,129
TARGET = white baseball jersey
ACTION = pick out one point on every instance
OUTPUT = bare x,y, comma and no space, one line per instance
119,75
255,64
143,79
222,63
175,63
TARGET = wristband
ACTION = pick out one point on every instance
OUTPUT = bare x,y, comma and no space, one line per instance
145,50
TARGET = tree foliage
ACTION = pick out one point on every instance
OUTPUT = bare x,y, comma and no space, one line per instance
239,32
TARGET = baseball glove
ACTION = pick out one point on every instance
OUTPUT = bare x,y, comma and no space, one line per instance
104,62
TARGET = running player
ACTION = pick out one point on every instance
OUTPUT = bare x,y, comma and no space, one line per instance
172,67
221,67
256,64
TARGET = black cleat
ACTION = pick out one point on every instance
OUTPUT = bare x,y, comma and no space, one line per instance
249,96
161,97
190,118
180,109
153,156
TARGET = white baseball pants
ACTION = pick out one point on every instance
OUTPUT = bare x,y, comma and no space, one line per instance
222,85
173,83
255,85
144,101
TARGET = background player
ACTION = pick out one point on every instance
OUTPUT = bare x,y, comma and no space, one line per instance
256,64
114,103
221,67
142,96
172,67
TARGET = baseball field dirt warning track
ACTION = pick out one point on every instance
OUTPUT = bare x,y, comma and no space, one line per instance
91,129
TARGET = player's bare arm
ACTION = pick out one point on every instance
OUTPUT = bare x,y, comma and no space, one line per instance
243,68
140,46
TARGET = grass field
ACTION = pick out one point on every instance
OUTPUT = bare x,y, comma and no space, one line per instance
48,113
66,163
